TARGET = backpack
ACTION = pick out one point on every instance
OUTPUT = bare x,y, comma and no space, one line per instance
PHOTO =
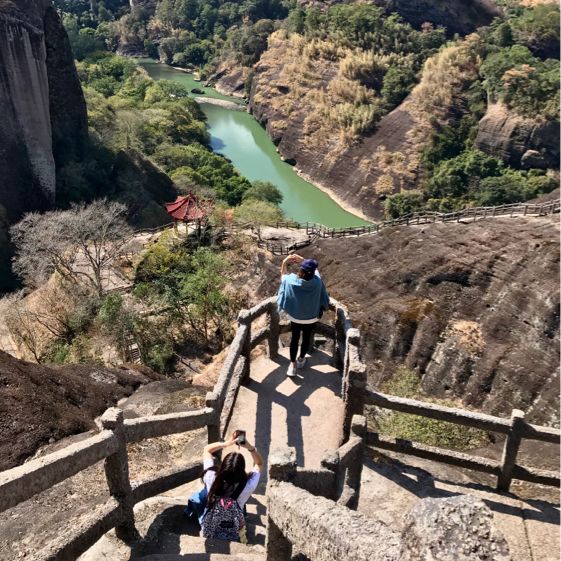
223,520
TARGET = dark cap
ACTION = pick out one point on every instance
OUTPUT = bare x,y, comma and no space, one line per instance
309,265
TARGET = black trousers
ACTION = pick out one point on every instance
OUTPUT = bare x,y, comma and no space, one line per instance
306,329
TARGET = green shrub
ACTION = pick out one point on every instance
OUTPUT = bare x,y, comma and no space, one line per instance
264,191
257,212
406,383
403,203
525,83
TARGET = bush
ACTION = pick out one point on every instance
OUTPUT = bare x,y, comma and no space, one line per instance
452,178
525,83
405,383
264,191
403,203
258,213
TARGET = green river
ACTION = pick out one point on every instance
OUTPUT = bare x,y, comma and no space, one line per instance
240,138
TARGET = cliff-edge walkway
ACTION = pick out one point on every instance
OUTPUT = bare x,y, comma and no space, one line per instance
313,436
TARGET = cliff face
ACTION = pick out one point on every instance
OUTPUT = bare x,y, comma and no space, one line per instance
472,308
289,85
40,99
39,403
520,142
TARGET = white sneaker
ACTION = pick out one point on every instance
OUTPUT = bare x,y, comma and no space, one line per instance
290,372
300,363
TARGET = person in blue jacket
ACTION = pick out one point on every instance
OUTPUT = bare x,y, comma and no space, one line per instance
303,297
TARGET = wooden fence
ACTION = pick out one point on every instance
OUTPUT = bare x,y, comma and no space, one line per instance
316,231
515,429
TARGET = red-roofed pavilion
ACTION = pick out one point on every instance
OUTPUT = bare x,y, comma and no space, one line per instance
189,208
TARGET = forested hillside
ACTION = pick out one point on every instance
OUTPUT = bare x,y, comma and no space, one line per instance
391,111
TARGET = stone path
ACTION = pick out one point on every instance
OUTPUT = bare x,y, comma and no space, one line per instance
304,412
390,488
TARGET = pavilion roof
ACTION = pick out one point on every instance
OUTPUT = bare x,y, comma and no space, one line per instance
189,207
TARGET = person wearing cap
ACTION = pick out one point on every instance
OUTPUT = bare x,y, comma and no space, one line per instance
303,297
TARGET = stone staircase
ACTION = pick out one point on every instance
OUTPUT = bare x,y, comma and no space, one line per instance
168,535
305,412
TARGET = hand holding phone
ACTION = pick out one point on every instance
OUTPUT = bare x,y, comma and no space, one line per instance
240,437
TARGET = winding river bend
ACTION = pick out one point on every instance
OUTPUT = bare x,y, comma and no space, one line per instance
240,138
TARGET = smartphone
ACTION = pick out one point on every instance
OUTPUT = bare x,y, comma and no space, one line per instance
240,439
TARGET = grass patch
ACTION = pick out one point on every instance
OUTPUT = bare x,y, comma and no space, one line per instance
406,383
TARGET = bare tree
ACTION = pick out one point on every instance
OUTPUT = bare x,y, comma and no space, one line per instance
77,243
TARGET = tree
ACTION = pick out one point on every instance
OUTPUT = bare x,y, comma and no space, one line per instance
78,243
202,292
403,203
264,191
257,213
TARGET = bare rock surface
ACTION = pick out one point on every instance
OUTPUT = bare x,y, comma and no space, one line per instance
40,404
392,487
229,78
520,142
36,72
473,308
458,528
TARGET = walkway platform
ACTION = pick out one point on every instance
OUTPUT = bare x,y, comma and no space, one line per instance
304,412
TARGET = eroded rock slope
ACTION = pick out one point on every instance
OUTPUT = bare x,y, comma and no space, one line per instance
473,308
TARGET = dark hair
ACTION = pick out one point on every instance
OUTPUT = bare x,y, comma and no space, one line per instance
306,275
230,478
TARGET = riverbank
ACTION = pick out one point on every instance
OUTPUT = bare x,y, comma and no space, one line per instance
237,135
231,105
346,206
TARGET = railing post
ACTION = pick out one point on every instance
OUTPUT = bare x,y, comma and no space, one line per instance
510,450
274,331
243,319
338,342
354,471
117,475
354,382
213,427
282,467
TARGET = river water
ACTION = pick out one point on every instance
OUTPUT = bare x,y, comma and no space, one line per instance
240,138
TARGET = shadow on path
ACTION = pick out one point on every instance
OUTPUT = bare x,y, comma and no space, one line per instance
294,397
423,484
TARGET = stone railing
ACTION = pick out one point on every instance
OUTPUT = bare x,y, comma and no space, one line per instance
316,231
307,510
235,369
23,482
515,429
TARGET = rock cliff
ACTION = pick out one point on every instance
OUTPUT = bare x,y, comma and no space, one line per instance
40,99
38,403
472,308
521,142
364,170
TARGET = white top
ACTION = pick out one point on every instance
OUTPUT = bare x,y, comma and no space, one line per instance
302,321
250,486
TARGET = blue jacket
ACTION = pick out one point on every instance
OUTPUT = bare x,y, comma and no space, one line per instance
302,299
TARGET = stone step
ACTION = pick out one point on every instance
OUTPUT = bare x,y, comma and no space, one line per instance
206,557
194,548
